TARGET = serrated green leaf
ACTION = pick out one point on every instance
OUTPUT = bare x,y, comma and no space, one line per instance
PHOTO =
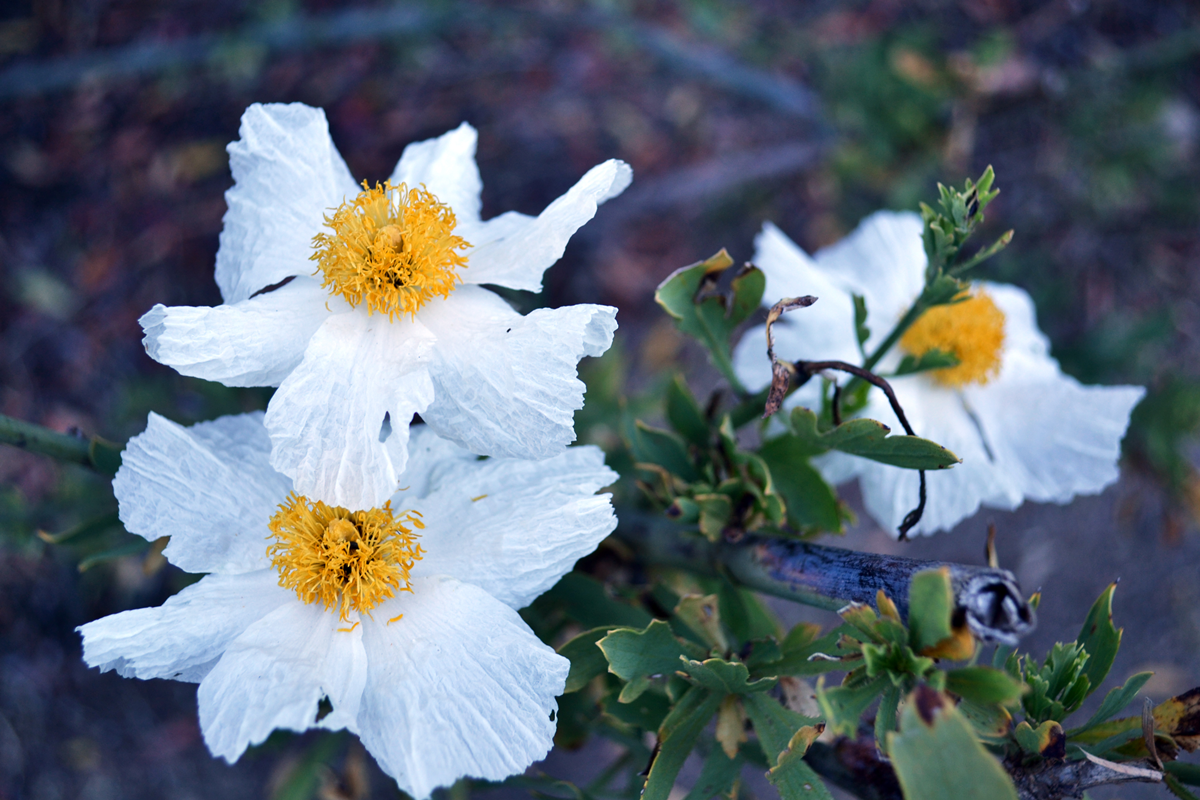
690,296
869,439
1100,638
792,776
773,724
937,757
676,738
685,414
985,686
726,677
634,656
587,660
930,605
717,776
810,501
715,512
1047,740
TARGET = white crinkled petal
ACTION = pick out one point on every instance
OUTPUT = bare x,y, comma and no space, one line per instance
458,687
506,385
184,637
255,342
287,175
883,260
446,167
514,527
889,493
1051,436
431,461
275,673
326,419
823,331
514,250
209,487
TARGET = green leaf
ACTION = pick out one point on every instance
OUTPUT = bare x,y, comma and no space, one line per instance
937,757
587,601
690,296
985,686
725,677
135,546
869,439
656,446
811,502
685,414
715,511
717,777
844,705
647,711
861,331
1115,701
744,614
800,645
930,604
773,724
929,360
1184,772
676,737
1047,740
1100,638
304,779
84,530
702,614
587,660
791,776
635,656
886,715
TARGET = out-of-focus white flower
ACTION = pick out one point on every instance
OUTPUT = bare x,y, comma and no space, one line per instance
1023,429
364,306
403,618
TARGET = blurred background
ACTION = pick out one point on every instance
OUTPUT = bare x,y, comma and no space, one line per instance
114,117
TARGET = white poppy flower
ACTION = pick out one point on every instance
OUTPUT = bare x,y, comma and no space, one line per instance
403,618
383,314
1022,428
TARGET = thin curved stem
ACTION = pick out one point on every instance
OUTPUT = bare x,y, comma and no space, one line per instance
101,455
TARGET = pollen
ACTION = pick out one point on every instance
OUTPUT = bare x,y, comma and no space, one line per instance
344,560
971,329
392,249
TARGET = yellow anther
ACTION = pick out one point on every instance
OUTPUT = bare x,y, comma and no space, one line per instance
392,249
348,560
972,330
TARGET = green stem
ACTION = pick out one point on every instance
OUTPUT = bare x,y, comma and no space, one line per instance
102,456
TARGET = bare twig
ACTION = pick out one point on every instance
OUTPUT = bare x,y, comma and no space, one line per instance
989,599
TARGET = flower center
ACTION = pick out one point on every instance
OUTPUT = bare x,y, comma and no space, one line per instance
392,248
349,560
972,330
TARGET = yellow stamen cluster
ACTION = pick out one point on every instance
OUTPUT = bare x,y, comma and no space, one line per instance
971,329
348,560
392,248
